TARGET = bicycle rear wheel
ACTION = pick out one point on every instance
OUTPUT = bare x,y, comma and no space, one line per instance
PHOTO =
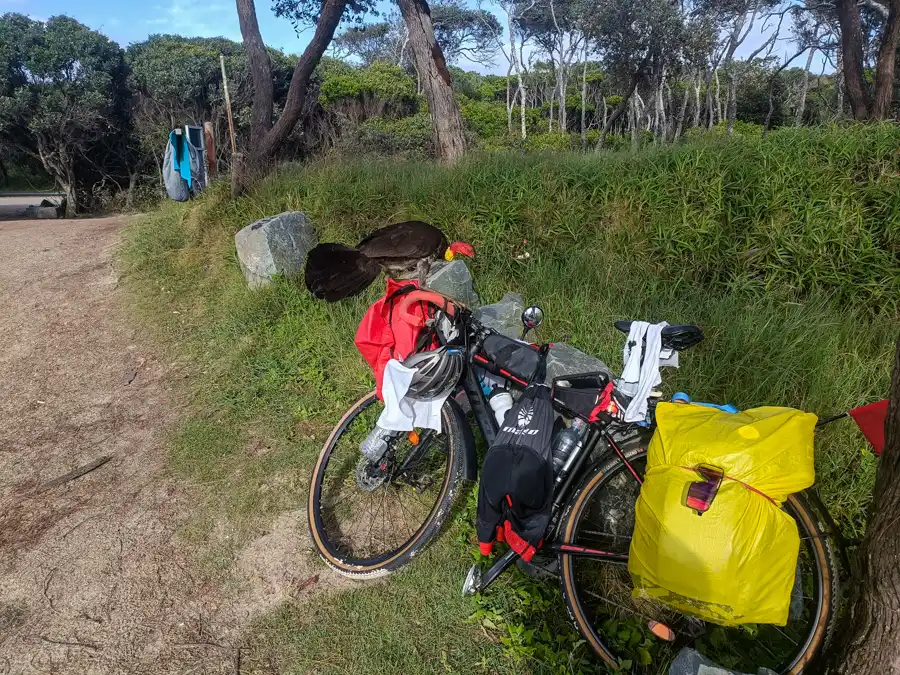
617,626
368,519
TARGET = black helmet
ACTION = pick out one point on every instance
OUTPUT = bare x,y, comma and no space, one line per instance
438,371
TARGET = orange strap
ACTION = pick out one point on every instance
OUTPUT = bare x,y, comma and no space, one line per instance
401,309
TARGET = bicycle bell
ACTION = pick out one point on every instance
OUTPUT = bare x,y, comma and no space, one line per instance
532,317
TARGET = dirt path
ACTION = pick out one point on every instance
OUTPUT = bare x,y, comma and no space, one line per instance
93,578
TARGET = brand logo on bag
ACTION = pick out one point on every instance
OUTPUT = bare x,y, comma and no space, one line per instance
523,419
525,415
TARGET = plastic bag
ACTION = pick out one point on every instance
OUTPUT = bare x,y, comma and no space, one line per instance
735,563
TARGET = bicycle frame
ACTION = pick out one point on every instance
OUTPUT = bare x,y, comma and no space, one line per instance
595,434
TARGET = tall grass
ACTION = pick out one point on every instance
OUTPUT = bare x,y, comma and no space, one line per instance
785,250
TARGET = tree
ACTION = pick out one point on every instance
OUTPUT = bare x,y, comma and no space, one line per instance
868,643
382,41
436,80
464,32
869,102
635,36
63,99
268,136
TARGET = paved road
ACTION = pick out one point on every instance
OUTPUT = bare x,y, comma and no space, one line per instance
12,206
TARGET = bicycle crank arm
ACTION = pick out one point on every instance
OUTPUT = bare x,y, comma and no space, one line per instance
476,582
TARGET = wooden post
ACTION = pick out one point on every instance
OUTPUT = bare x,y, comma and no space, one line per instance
228,103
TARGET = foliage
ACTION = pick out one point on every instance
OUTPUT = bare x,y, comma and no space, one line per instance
380,81
464,32
64,100
672,225
487,120
407,137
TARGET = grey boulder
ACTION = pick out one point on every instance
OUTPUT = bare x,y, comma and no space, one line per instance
275,245
454,280
505,316
564,359
691,662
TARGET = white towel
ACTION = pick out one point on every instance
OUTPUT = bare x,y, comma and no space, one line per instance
639,378
402,413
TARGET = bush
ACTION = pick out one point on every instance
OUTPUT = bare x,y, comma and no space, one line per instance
486,119
409,137
381,81
557,140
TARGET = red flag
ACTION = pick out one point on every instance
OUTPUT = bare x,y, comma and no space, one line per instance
870,419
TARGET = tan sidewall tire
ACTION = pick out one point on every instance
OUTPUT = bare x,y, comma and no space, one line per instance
821,545
453,479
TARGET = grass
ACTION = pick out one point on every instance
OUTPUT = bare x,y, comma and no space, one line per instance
785,250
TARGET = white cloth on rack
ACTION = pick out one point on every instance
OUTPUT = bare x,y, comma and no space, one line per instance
401,413
643,355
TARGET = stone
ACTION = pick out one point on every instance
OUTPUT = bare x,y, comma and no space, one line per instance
505,316
454,280
564,359
42,212
275,245
691,662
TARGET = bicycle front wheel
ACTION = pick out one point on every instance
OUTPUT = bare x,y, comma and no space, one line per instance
618,626
368,519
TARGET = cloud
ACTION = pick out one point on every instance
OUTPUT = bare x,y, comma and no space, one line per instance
187,18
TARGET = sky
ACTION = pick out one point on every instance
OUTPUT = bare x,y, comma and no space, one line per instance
127,21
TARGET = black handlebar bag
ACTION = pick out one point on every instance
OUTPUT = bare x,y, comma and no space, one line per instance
516,490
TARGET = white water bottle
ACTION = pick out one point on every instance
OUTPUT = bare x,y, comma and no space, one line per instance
500,401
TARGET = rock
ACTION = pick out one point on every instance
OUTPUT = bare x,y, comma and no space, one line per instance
505,316
42,212
691,662
454,280
276,245
564,359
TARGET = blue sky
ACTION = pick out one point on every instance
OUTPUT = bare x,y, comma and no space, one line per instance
127,21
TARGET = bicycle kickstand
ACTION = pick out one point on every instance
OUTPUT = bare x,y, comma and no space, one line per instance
477,582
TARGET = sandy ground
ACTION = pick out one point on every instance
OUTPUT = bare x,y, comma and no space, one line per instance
93,575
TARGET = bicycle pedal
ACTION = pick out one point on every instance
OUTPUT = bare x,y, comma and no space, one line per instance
472,584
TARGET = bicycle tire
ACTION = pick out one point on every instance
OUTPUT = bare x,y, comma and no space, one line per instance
453,421
826,564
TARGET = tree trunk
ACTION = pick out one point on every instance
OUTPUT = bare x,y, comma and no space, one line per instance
679,123
132,184
868,643
4,174
510,100
584,98
697,101
69,188
852,51
839,87
446,122
260,72
634,124
884,67
804,88
731,111
264,151
617,113
718,101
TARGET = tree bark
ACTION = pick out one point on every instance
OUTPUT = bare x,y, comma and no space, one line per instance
868,643
623,104
260,72
884,67
852,51
446,121
679,123
584,97
263,152
804,89
697,101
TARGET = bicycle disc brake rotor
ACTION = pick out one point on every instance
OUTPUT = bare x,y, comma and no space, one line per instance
369,476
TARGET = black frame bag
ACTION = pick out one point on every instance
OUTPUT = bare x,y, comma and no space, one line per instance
516,489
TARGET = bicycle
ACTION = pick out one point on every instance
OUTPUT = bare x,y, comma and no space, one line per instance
369,519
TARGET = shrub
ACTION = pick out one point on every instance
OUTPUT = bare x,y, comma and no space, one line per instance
486,119
409,137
